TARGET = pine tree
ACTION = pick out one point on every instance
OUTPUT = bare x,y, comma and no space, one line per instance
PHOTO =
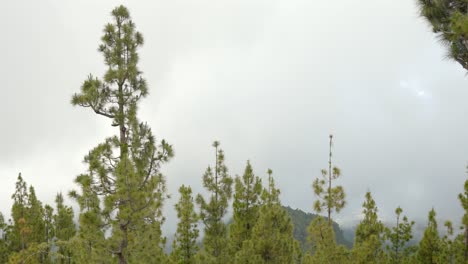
456,248
27,234
48,231
399,236
124,171
429,246
369,234
248,189
272,235
270,195
64,228
325,249
463,197
4,250
248,255
185,245
89,246
449,20
35,215
329,198
20,231
219,184
447,254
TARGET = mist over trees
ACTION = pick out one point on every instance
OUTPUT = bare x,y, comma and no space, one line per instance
122,192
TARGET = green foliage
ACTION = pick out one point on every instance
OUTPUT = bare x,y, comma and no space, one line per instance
369,235
4,250
35,218
325,249
248,255
185,243
272,235
463,197
302,220
28,238
219,184
123,190
19,232
449,20
399,237
430,245
329,198
248,189
33,254
270,194
64,228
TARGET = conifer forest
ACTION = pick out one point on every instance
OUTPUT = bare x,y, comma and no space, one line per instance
114,211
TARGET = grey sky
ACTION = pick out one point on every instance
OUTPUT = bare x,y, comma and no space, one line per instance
269,79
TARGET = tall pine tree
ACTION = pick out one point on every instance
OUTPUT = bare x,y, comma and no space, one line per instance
123,171
185,245
429,246
399,237
369,236
19,235
219,184
272,235
246,204
64,228
329,198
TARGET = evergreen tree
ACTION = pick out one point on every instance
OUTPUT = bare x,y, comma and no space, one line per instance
449,20
272,235
270,195
124,171
27,234
219,184
20,231
369,235
35,215
48,231
429,246
89,246
399,236
248,189
448,246
329,198
64,228
456,248
248,255
185,245
4,250
463,197
325,249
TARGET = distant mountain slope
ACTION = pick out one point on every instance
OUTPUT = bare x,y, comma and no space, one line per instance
301,221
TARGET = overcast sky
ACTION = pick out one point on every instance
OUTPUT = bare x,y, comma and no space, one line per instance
269,79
